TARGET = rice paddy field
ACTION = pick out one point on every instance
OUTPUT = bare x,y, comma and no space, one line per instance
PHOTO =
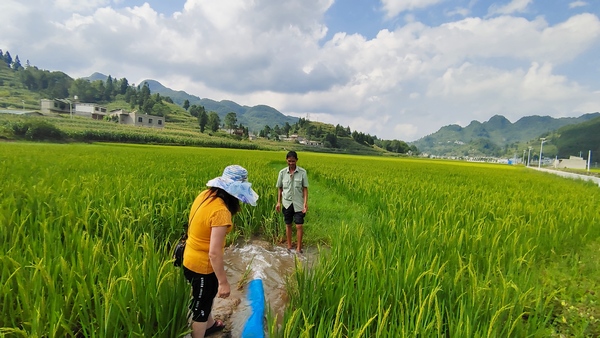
408,247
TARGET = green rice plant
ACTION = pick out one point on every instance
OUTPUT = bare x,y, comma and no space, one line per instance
86,233
450,249
244,278
407,247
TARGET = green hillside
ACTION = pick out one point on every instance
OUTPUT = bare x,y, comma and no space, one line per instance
13,95
254,118
496,137
579,138
181,128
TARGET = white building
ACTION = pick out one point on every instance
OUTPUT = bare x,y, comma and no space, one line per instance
573,162
138,119
56,106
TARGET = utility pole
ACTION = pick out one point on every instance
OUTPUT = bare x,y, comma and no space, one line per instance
541,147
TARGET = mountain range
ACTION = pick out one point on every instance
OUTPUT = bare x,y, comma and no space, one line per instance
496,134
254,118
495,137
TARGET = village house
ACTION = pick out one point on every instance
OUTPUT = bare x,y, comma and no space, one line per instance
137,119
573,162
291,138
58,106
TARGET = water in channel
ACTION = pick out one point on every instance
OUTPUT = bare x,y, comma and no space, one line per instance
256,260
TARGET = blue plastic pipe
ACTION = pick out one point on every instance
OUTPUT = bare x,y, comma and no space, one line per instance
256,298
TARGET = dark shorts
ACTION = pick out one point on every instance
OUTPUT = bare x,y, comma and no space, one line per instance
204,290
290,215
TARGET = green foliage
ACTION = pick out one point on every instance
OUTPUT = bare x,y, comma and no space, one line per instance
195,110
502,137
202,120
443,252
231,120
35,129
580,138
51,84
436,249
214,122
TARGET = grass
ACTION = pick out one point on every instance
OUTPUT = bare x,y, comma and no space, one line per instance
413,247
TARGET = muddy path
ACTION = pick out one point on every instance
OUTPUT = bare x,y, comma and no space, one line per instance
256,260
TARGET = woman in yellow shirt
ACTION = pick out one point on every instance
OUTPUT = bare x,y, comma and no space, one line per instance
209,223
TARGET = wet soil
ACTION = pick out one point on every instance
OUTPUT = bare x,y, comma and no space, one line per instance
256,260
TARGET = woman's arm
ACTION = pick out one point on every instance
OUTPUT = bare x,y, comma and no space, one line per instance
215,253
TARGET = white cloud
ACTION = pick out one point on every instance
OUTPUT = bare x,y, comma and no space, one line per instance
576,4
404,83
79,5
459,11
394,7
515,6
406,131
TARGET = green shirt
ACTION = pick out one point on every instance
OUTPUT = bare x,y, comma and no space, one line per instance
292,187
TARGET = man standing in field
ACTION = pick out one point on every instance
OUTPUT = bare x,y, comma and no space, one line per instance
292,188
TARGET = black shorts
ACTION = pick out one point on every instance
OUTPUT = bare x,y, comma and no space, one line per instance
204,290
290,215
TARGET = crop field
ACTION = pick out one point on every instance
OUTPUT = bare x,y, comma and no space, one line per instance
409,247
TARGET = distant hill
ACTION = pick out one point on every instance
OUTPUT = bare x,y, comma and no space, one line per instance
96,76
494,136
579,138
255,118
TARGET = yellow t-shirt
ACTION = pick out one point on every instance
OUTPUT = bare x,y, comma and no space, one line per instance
212,213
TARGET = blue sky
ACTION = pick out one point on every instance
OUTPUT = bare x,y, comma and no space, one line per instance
398,69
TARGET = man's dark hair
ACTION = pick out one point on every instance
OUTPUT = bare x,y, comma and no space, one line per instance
291,154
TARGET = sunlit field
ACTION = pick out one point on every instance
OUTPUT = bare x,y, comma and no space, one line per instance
409,247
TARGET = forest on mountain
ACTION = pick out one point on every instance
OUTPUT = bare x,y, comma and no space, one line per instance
28,84
498,137
24,85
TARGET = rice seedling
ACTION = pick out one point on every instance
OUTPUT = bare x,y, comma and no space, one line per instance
414,247
244,278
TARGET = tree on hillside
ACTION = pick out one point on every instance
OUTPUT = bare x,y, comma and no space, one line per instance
84,90
202,119
231,120
330,141
265,132
160,109
100,89
310,131
109,89
213,121
341,131
123,86
146,107
144,94
286,129
16,65
194,110
186,104
8,59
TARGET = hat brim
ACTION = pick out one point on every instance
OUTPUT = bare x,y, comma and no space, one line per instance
241,190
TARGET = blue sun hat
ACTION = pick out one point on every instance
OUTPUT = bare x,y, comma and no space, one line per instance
235,182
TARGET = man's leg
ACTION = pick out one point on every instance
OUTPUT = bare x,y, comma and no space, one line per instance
299,233
288,233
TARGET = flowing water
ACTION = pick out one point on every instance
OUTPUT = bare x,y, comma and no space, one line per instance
256,260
